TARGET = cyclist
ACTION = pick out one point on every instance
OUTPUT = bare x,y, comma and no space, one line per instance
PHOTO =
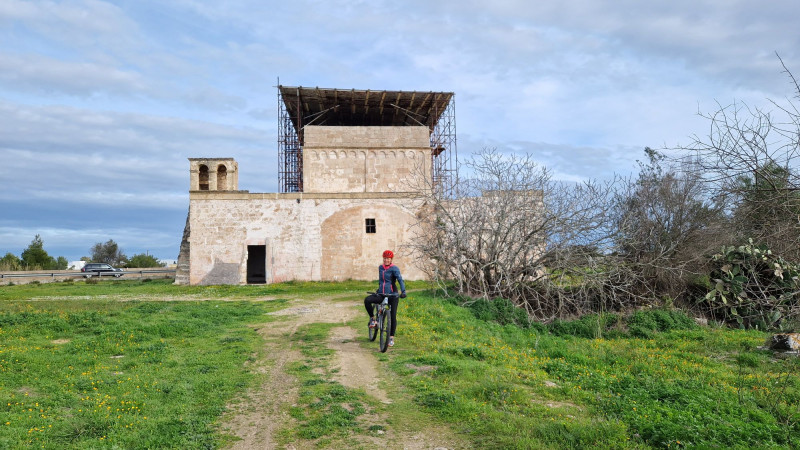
388,276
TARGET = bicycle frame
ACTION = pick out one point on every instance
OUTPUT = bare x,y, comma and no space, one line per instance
383,305
384,319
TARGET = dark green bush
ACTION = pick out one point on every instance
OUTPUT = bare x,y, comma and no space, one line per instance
499,310
642,324
646,323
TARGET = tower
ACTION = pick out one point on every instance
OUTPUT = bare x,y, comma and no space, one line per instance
213,174
365,122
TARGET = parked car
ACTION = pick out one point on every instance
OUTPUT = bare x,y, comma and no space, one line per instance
100,269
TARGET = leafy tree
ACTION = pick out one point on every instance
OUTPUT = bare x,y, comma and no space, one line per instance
35,257
666,223
61,263
10,262
108,253
143,260
768,207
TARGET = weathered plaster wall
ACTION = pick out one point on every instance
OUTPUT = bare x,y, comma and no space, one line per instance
308,237
365,159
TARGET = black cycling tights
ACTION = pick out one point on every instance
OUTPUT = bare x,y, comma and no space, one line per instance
374,299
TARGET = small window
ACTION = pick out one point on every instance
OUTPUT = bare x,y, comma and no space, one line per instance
370,225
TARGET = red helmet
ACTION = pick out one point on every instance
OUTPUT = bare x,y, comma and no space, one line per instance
388,254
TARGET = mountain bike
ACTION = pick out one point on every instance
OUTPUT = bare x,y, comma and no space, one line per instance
384,318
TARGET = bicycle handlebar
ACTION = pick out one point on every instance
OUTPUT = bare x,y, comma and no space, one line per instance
385,295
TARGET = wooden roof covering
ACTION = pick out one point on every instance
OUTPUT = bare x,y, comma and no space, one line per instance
352,107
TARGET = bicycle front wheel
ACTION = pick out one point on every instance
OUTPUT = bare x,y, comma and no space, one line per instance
385,328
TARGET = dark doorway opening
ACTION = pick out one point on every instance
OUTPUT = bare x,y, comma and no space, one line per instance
256,264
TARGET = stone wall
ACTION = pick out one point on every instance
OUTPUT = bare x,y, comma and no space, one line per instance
306,237
365,159
222,174
183,268
350,174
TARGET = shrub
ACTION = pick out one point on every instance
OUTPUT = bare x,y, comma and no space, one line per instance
499,310
753,287
645,323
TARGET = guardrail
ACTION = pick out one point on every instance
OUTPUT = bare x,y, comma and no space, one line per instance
53,275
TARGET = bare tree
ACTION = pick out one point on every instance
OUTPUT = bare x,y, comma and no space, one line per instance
507,229
750,158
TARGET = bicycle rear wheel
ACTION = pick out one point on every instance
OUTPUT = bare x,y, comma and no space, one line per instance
373,332
385,325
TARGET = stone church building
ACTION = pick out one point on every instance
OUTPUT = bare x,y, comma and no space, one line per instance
351,166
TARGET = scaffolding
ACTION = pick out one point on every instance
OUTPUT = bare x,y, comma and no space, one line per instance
444,159
299,107
290,149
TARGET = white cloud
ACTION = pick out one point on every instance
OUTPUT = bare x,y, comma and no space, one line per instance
105,158
62,19
46,75
92,130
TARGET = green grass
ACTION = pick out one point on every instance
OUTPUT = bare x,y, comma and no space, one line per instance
326,411
109,363
81,369
100,373
509,386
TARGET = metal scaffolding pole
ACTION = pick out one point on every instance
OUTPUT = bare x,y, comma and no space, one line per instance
444,149
290,153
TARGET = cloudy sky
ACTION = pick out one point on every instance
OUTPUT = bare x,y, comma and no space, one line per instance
102,102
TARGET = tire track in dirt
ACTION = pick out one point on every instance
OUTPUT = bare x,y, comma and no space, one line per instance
356,367
262,412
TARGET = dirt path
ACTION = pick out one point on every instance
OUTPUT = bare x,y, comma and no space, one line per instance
262,413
